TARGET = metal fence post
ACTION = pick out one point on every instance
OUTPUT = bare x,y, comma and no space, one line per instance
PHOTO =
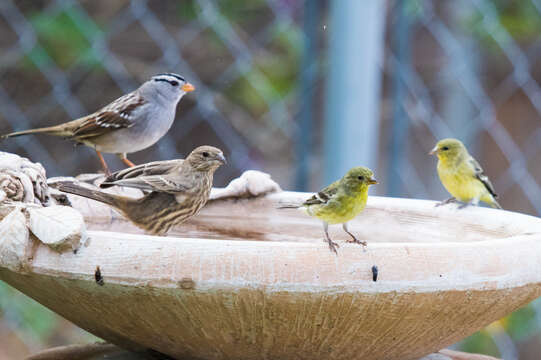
400,121
353,86
308,76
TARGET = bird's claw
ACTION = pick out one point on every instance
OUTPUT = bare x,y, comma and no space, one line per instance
464,205
333,246
354,240
445,202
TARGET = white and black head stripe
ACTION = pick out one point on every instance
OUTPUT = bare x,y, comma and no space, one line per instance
169,76
172,79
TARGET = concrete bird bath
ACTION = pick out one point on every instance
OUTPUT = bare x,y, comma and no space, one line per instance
244,280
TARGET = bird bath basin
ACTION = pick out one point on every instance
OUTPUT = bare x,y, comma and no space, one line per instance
244,280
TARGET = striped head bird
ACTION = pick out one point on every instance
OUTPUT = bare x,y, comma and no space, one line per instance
131,123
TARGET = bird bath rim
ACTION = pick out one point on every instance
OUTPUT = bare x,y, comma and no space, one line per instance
259,219
421,266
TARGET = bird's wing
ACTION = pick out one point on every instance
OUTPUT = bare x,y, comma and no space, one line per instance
116,115
323,197
151,168
142,176
159,183
480,175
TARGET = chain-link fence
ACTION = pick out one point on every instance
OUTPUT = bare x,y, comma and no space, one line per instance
64,59
465,69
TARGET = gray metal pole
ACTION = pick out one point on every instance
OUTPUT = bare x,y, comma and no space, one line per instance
458,109
352,86
397,140
308,77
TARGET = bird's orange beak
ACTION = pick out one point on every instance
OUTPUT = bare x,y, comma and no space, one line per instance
433,151
188,87
372,181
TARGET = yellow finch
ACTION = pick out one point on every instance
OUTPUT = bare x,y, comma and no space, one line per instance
340,202
462,175
176,189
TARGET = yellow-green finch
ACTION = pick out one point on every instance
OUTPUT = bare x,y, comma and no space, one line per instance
340,202
462,175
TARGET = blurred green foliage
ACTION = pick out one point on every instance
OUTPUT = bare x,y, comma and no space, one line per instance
274,76
520,19
521,325
34,324
186,10
479,343
64,39
31,318
247,16
273,67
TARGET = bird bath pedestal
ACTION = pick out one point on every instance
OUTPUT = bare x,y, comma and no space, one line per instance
245,280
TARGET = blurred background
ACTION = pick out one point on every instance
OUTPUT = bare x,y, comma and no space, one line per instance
300,89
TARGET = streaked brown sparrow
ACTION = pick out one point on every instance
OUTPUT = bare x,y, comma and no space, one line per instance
176,189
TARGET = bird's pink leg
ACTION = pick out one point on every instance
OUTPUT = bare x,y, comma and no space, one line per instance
353,238
125,160
445,202
332,244
103,163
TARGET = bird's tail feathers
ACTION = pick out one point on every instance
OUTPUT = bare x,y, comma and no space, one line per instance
490,199
51,130
72,188
495,204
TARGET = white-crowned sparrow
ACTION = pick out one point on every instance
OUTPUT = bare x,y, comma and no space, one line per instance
176,189
131,123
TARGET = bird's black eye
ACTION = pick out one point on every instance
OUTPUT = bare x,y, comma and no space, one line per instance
205,154
360,177
445,148
174,83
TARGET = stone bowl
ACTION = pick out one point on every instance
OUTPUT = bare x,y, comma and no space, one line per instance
245,280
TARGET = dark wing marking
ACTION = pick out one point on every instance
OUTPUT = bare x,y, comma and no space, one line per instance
154,183
117,115
480,175
148,169
96,126
323,196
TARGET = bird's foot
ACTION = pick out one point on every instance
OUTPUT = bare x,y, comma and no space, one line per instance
445,202
464,205
332,246
357,241
354,240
